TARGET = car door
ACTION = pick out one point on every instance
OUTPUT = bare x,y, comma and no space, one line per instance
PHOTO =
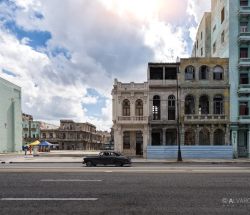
106,158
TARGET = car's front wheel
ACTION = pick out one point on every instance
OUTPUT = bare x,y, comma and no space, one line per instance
89,163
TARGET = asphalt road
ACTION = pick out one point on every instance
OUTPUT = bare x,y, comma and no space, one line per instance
115,190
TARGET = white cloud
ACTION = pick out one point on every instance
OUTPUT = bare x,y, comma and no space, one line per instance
102,43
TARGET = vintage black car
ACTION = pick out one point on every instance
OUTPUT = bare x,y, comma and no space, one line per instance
107,158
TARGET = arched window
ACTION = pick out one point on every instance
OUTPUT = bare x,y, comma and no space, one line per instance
126,107
156,108
203,73
139,107
189,105
218,73
219,137
218,104
189,73
204,137
190,137
171,107
204,105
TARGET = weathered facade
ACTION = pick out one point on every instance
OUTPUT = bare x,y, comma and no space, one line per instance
187,101
130,117
204,101
10,117
229,38
32,129
74,136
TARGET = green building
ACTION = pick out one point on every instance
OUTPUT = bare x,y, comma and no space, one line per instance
10,117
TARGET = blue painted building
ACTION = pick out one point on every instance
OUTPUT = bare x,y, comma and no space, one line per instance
230,37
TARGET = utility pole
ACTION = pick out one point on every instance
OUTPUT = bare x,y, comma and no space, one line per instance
179,157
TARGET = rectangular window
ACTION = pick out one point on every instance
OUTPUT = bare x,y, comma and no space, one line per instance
50,135
214,47
201,51
243,2
126,140
44,135
201,35
222,15
243,27
197,46
222,37
156,73
170,73
243,52
244,78
243,108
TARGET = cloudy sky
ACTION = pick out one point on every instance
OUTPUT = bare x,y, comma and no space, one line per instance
65,54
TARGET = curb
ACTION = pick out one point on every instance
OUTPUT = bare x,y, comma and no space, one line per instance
134,162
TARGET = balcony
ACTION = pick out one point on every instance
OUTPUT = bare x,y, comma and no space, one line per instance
133,119
244,37
205,118
244,10
163,83
244,119
244,62
244,89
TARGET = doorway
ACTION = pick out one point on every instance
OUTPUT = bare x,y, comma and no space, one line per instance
139,143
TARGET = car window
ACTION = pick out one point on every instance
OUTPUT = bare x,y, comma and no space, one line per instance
105,153
117,154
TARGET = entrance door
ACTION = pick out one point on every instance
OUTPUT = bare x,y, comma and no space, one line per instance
139,143
242,143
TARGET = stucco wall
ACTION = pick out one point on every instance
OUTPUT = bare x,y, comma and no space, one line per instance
10,117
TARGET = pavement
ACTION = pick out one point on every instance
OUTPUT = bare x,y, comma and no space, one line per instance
76,156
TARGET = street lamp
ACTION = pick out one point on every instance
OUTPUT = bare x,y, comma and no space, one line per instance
179,157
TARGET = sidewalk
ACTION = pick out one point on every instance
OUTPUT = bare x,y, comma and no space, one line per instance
57,156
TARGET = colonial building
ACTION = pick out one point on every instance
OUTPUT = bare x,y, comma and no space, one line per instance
204,101
10,117
72,135
186,102
162,83
130,117
229,38
32,129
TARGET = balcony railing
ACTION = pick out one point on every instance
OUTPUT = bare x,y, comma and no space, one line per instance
244,10
208,117
133,119
244,62
244,36
244,88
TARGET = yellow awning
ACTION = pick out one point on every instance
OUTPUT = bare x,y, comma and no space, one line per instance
35,143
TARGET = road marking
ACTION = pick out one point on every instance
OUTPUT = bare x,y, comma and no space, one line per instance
108,171
49,199
69,180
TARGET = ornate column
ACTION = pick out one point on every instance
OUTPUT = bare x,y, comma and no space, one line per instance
196,104
248,142
118,139
164,136
150,136
145,141
227,135
212,135
234,141
182,135
197,135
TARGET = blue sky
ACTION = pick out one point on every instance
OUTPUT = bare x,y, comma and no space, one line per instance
66,54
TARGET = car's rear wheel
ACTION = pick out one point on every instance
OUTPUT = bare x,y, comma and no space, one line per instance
119,164
89,163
